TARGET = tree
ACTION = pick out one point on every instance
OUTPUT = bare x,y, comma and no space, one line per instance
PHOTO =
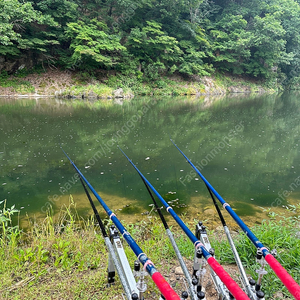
156,50
231,43
92,45
17,22
268,46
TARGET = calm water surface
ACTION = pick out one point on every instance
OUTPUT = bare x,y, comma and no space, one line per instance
247,147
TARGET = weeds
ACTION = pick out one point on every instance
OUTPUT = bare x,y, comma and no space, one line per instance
87,85
8,232
18,85
66,258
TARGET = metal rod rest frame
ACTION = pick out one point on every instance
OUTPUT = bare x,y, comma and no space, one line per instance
221,288
278,269
250,292
224,276
113,260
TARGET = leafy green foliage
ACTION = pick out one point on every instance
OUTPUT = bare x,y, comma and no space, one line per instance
65,257
20,86
155,50
152,38
92,45
5,216
20,28
231,43
37,255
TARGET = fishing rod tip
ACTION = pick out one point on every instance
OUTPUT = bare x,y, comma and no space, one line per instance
172,140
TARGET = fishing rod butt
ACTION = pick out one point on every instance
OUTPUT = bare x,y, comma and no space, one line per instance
164,287
232,286
284,276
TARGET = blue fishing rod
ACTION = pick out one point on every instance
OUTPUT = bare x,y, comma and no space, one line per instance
158,279
111,251
250,292
188,278
231,285
281,273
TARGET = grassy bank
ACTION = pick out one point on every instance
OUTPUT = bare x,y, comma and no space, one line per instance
66,258
104,85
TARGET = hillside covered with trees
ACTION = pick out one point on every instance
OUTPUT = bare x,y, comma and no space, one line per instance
150,38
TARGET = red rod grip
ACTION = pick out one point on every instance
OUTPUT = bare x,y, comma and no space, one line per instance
232,286
164,287
284,276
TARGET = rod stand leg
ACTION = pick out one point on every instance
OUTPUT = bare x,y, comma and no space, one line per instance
111,273
261,272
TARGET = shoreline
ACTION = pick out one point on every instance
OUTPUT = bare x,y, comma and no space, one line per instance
67,85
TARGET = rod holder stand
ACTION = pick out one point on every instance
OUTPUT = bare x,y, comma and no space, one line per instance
252,282
137,266
274,252
259,255
134,296
140,274
200,295
194,281
184,295
260,295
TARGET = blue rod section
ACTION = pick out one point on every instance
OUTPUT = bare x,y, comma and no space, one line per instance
243,226
133,245
170,210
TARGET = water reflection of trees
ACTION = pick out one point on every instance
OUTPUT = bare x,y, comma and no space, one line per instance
260,161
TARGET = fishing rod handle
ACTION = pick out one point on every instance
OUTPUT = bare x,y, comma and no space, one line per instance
164,287
232,286
284,276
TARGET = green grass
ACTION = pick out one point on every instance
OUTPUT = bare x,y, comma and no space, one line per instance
85,85
66,258
17,84
280,232
98,90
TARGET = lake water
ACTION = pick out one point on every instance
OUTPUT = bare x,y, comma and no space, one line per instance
247,147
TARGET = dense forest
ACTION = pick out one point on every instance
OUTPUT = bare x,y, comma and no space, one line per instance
148,38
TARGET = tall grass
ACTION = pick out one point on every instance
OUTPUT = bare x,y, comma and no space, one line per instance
66,258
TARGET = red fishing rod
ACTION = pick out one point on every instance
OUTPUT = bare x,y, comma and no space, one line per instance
279,270
231,285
